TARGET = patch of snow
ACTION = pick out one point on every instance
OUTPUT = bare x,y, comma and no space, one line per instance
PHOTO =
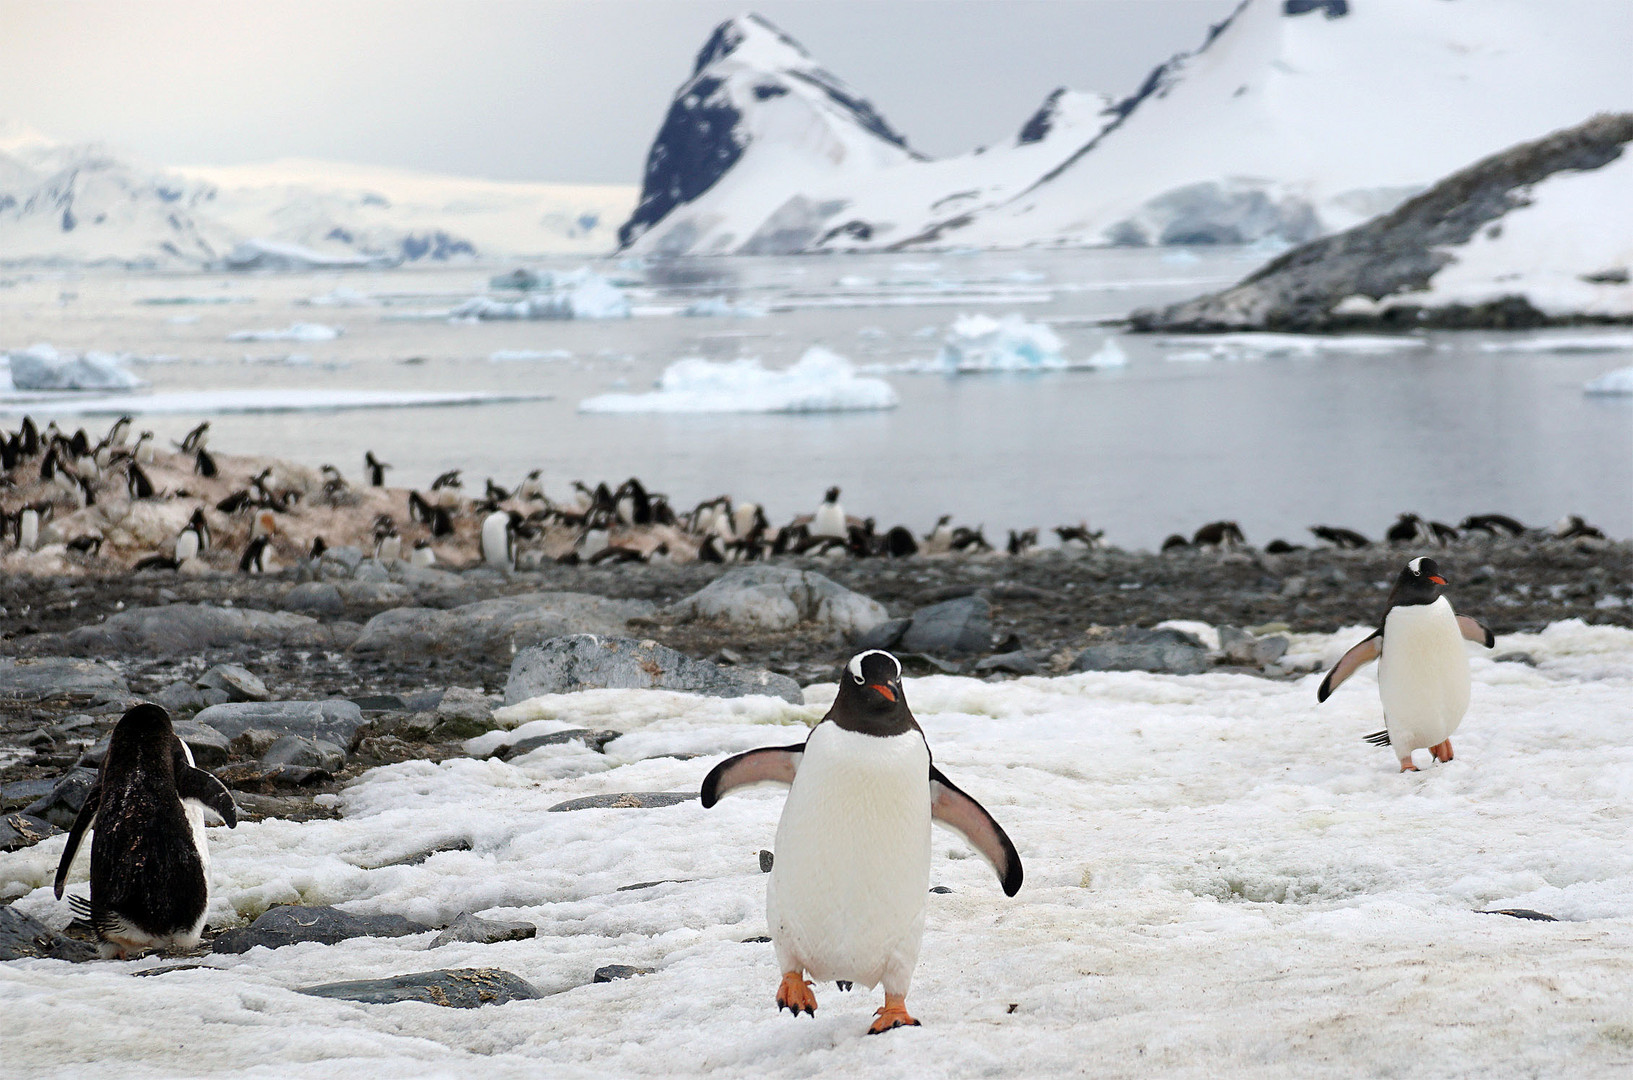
43,367
1615,382
293,332
820,381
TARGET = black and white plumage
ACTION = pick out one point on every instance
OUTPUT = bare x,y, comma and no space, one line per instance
846,896
499,539
829,519
1340,537
375,468
1423,669
255,559
1225,534
150,864
194,538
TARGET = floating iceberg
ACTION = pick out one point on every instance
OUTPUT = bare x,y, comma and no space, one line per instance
1267,346
982,343
300,331
581,294
719,306
44,368
821,381
1615,382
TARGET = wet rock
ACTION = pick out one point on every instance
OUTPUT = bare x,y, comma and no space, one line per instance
306,753
883,636
333,720
469,927
24,830
67,795
614,972
314,598
292,924
950,628
454,988
375,593
36,678
379,702
627,800
214,696
179,697
1015,663
238,681
587,662
192,628
22,938
779,598
255,806
1134,649
1522,913
595,740
210,748
253,776
495,629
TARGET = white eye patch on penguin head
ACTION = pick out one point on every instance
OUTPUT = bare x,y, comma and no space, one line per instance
878,671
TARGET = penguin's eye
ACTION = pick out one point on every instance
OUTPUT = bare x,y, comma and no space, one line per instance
859,679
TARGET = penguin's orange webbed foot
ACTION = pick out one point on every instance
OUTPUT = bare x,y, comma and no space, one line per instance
892,1015
795,994
1443,751
1407,766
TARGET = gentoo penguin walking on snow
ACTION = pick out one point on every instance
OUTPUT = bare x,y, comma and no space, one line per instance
846,896
1423,672
150,868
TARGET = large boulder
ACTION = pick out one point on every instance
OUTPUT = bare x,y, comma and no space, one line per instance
496,628
586,662
62,805
192,628
1133,649
42,677
950,628
333,720
22,938
779,598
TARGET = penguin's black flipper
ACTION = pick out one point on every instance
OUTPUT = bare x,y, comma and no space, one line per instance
1475,630
970,819
768,765
82,821
1377,738
197,784
1351,662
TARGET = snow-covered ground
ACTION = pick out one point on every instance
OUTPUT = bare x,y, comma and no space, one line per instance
1223,880
820,381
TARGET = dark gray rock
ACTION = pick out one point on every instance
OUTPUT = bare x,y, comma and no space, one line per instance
883,636
470,928
252,742
23,938
19,831
333,720
23,792
767,860
292,924
455,988
210,748
239,682
369,570
253,776
595,740
304,752
1015,663
371,592
1401,251
1242,647
779,598
587,662
950,628
614,972
192,628
213,696
67,796
379,702
463,713
627,800
179,697
495,629
317,598
1132,649
1522,913
36,678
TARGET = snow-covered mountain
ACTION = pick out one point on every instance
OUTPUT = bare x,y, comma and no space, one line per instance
1293,119
763,151
80,204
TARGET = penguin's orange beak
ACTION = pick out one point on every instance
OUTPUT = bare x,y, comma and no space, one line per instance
887,692
1437,579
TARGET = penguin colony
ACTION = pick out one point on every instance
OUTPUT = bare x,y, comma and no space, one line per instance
846,896
69,503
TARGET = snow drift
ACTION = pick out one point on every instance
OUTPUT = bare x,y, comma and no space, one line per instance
821,381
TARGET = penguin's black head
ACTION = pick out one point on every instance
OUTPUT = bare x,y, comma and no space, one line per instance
870,698
142,735
1420,583
832,495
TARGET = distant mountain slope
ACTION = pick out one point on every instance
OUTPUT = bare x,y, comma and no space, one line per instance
1540,233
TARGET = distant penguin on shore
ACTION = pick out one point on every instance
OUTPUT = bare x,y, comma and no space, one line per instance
1423,670
531,488
143,449
388,545
28,528
939,541
499,540
193,538
829,519
255,559
422,555
150,863
196,439
1344,539
375,468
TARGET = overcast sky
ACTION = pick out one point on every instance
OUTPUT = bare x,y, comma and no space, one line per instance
552,90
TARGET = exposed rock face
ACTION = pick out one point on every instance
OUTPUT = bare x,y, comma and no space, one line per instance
1401,251
496,628
779,598
481,931
586,662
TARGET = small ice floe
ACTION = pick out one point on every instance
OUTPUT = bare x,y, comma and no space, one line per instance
300,331
1611,383
510,356
978,344
1250,346
821,381
340,296
719,306
581,294
1562,343
43,367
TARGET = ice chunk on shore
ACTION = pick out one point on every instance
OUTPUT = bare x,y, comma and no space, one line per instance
42,367
1615,382
581,294
821,381
300,331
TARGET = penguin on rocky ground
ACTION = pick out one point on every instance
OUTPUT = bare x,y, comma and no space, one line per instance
150,865
531,488
1492,525
1339,537
255,559
195,439
499,540
846,896
1423,670
137,483
939,540
1219,534
829,519
375,468
194,537
422,555
388,545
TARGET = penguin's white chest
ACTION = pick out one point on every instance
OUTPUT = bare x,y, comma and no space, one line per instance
847,890
829,521
1423,675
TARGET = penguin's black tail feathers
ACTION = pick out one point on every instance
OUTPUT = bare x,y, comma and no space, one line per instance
80,906
1378,738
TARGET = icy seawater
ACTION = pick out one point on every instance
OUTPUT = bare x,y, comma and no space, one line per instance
1015,403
